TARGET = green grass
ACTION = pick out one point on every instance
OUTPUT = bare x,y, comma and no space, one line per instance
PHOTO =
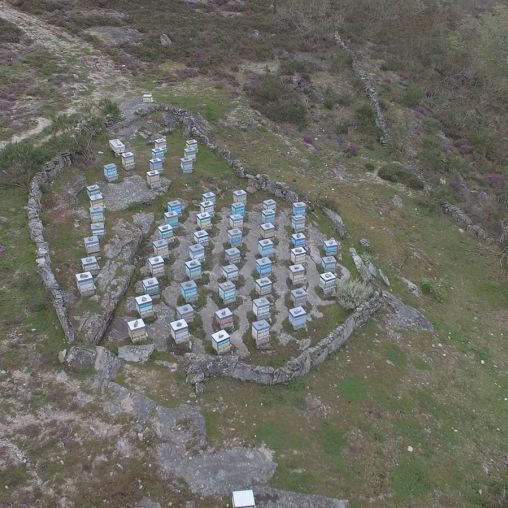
353,389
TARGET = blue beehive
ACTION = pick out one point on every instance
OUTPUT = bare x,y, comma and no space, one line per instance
189,291
269,204
155,164
90,264
161,144
193,269
268,215
93,190
238,209
96,200
261,332
175,206
331,247
227,292
299,297
207,207
263,286
221,342
144,306
264,266
235,236
171,218
98,229
197,251
192,145
299,208
165,232
230,272
111,172
266,248
233,255
201,237
298,223
156,266
189,154
161,248
298,240
128,161
186,165
236,221
239,196
97,213
209,196
261,307
151,286
297,317
92,244
158,153
328,263
204,220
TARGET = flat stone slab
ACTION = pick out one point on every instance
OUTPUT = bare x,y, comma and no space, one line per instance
132,189
406,317
136,354
267,497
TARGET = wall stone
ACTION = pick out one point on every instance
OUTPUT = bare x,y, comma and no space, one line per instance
460,216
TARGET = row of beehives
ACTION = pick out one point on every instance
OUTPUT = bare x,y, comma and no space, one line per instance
227,290
90,265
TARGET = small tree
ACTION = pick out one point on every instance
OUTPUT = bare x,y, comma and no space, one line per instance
352,293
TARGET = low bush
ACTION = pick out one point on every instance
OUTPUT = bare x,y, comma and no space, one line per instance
398,174
352,293
412,96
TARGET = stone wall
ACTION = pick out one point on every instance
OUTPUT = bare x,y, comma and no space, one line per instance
460,216
199,367
36,229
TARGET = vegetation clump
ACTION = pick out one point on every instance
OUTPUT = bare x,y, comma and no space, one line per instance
398,174
352,293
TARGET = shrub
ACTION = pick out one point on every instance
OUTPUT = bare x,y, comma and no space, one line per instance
398,174
433,288
352,293
369,166
412,96
296,66
365,117
110,109
351,150
340,61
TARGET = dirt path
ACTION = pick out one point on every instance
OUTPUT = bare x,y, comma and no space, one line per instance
97,74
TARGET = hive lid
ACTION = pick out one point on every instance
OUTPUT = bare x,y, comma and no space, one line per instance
156,260
267,225
136,324
222,313
151,281
297,268
297,311
243,499
180,324
143,299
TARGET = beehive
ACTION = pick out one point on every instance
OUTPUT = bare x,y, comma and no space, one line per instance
268,215
158,153
238,209
298,256
161,248
197,251
204,220
93,190
144,306
161,144
192,145
298,240
116,146
297,274
137,330
175,206
207,207
299,297
263,286
111,172
328,263
97,229
128,161
230,272
224,318
185,312
153,179
267,230
193,269
147,98
90,264
264,266
299,208
331,247
171,218
201,237
227,292
234,236
239,196
165,232
328,282
85,283
266,248
156,266
96,213
151,287
189,291
269,204
221,342
233,255
156,164
261,307
298,223
261,332
96,200
209,196
236,221
92,245
179,331
186,165
297,318
189,154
